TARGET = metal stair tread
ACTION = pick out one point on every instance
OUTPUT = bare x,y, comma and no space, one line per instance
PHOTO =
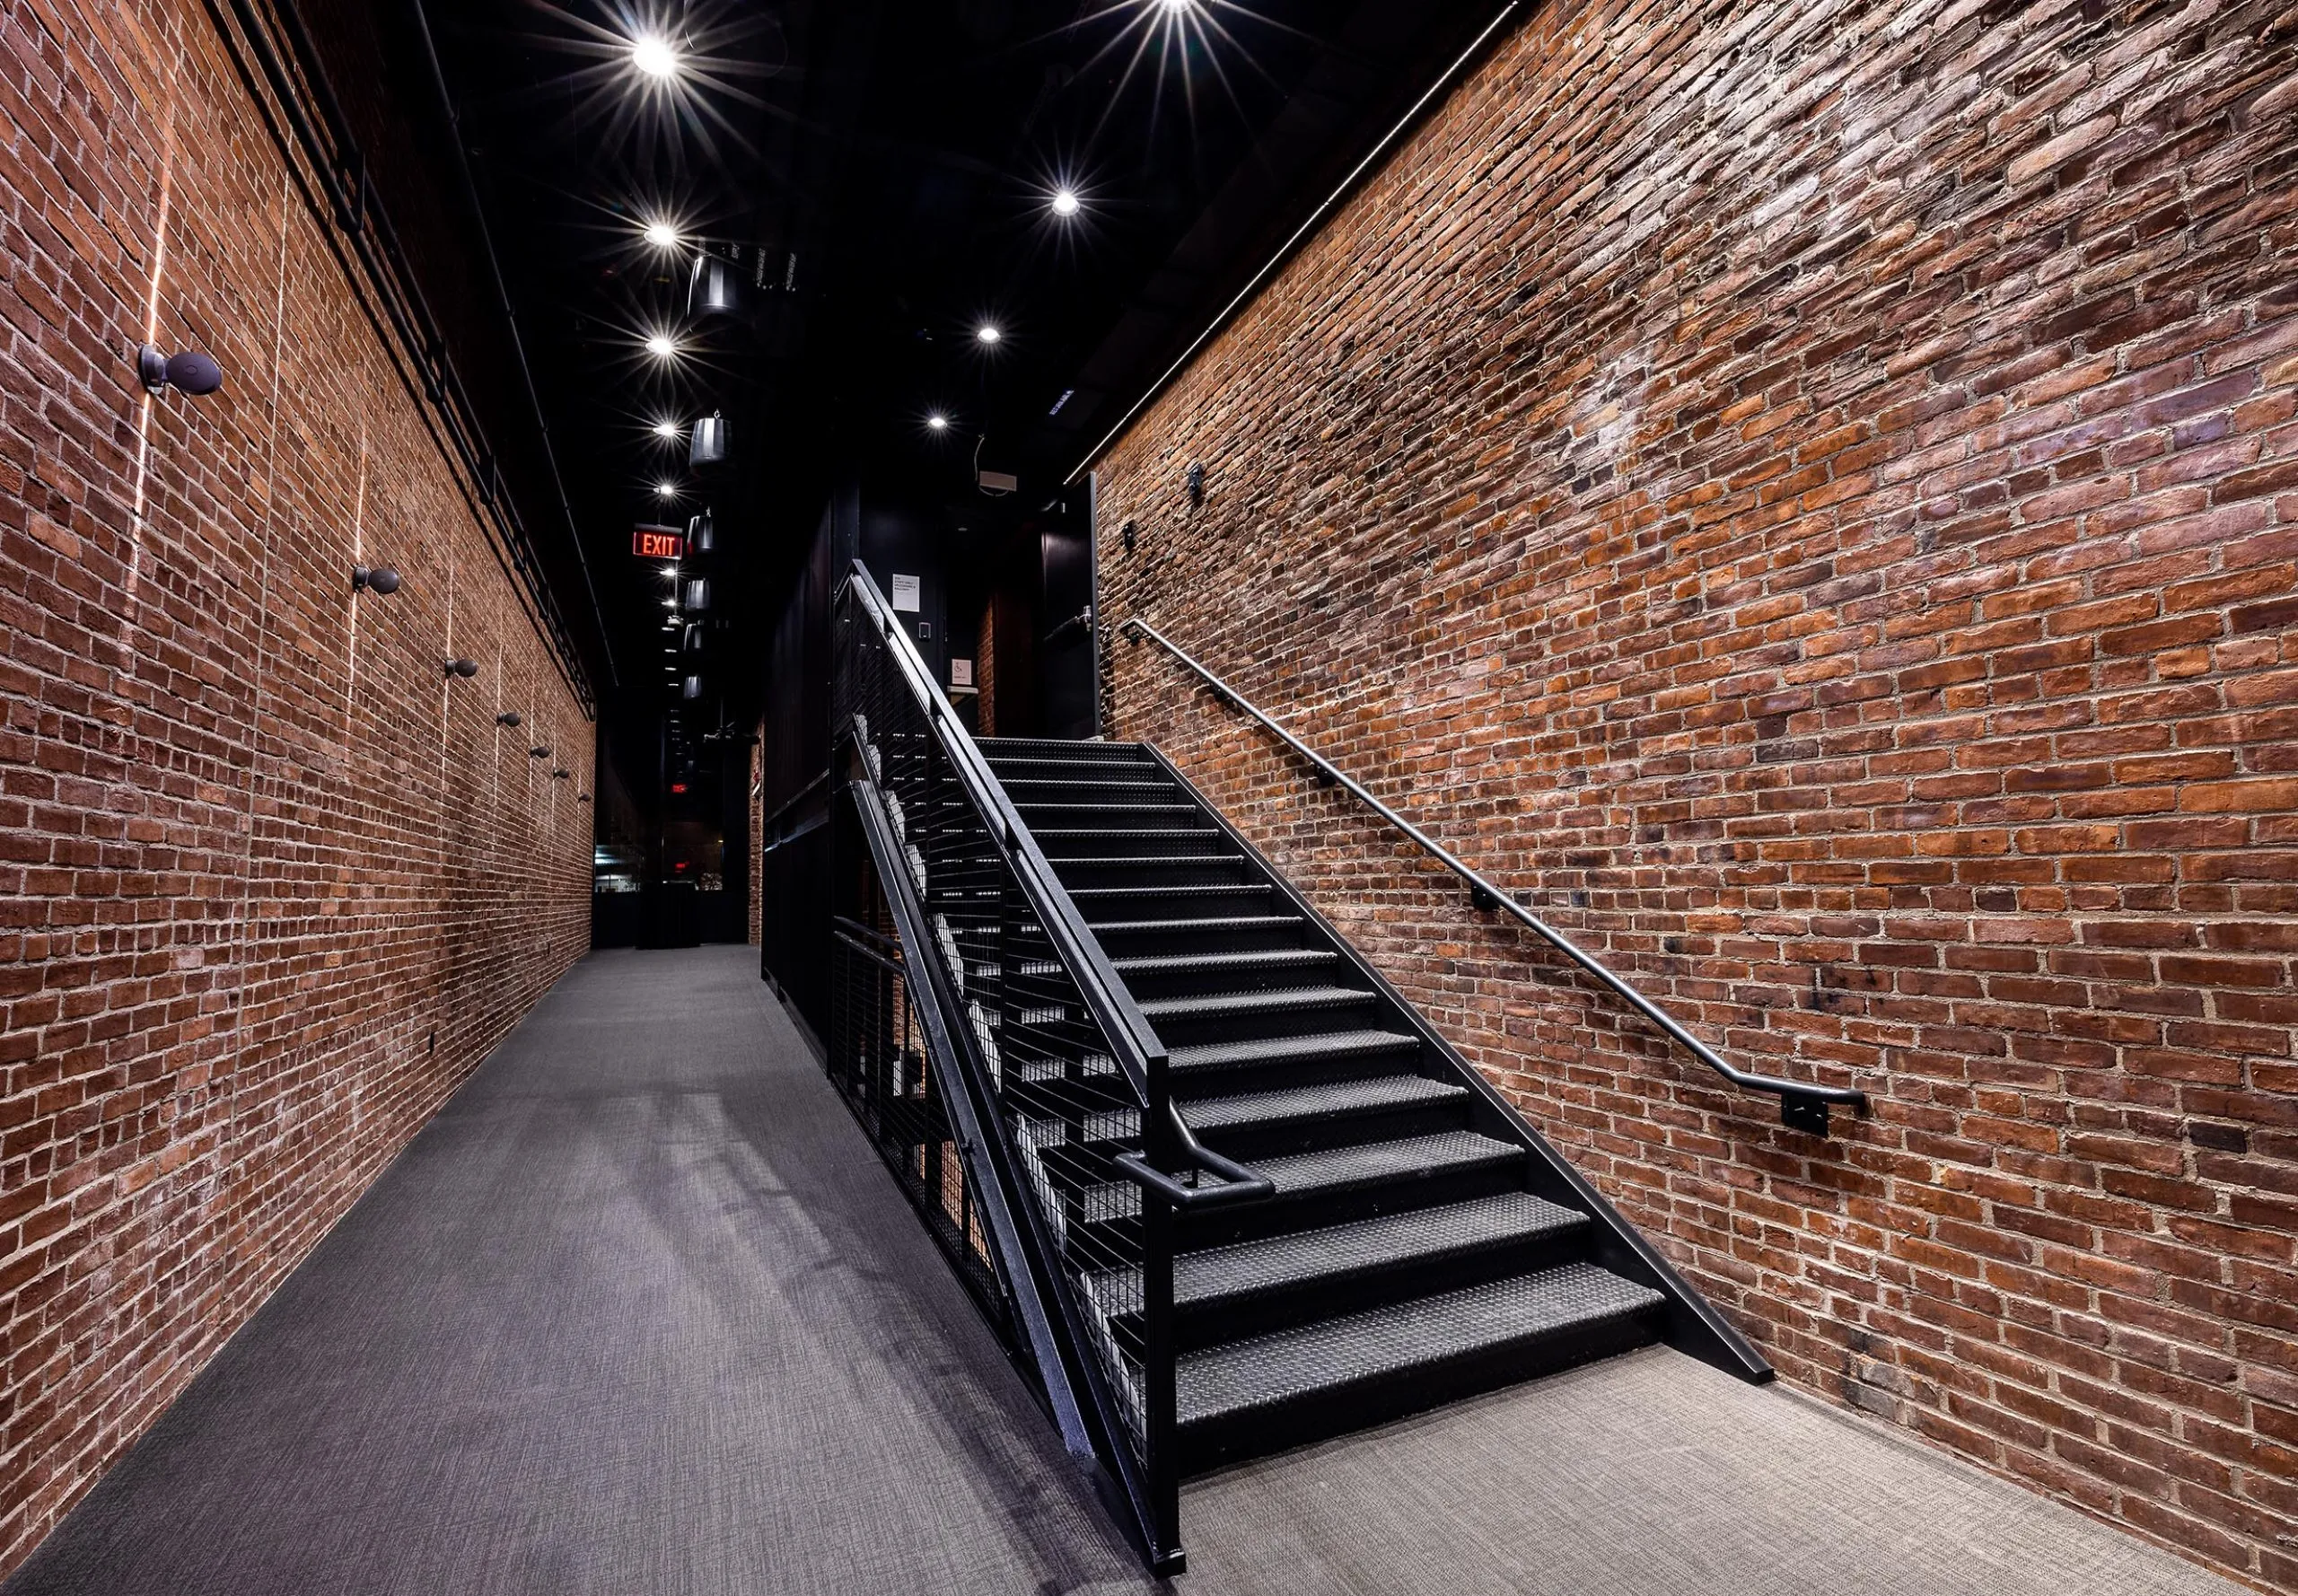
1301,1102
1193,890
1327,1169
1214,1275
1245,958
1237,1377
1216,922
1274,1000
1273,1050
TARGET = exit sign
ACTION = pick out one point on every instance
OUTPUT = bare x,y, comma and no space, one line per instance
657,542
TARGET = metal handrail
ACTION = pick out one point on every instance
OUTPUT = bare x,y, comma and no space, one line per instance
1802,1104
1140,1055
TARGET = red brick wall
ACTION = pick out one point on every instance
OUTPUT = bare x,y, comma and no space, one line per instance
1807,495
270,885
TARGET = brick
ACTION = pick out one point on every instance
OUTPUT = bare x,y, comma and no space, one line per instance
2024,776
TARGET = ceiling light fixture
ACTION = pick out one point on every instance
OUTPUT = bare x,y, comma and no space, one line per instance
668,431
662,235
1065,202
937,422
666,490
988,332
661,346
651,54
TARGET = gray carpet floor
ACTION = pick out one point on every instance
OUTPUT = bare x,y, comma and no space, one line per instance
641,1312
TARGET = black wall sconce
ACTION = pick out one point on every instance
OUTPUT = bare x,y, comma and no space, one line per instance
711,290
539,753
707,446
582,797
509,718
379,579
1126,533
1195,480
561,775
189,373
466,669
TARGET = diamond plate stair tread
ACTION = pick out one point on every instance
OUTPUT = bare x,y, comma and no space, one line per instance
1264,1370
1275,1049
1221,923
1276,1000
1200,889
1245,959
1301,1102
1136,860
1300,1256
1300,1174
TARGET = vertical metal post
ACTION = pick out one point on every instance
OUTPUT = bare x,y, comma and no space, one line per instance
1161,1466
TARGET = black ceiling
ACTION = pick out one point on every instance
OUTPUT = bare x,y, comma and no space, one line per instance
882,174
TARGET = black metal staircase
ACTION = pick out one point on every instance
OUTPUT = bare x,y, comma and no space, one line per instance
1225,1190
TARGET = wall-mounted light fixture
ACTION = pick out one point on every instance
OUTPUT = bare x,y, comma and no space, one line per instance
582,797
509,718
189,373
1195,480
1126,533
707,446
712,291
379,579
560,775
539,753
693,688
466,669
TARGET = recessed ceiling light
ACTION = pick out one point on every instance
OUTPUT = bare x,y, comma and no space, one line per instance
651,54
988,332
666,490
660,347
1065,202
661,234
666,429
938,422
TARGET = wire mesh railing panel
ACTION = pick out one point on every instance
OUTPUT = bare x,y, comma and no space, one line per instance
1065,1107
880,1061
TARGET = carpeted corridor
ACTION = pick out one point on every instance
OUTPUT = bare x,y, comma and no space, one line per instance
641,1312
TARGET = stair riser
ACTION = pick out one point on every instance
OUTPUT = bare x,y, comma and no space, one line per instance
1148,874
1234,1080
1248,1222
1195,939
1337,1410
1127,812
1181,1031
1145,843
1193,983
1209,1323
1274,1139
1162,903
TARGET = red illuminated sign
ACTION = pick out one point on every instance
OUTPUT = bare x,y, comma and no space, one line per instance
657,542
678,786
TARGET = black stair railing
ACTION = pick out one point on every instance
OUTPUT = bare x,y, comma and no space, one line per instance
1077,1107
1803,1104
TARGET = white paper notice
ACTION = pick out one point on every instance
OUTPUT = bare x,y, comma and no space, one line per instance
906,592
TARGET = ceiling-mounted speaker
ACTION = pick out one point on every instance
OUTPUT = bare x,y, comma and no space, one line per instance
691,644
694,687
701,534
695,598
711,290
707,447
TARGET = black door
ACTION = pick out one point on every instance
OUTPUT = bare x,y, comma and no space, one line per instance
1071,656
